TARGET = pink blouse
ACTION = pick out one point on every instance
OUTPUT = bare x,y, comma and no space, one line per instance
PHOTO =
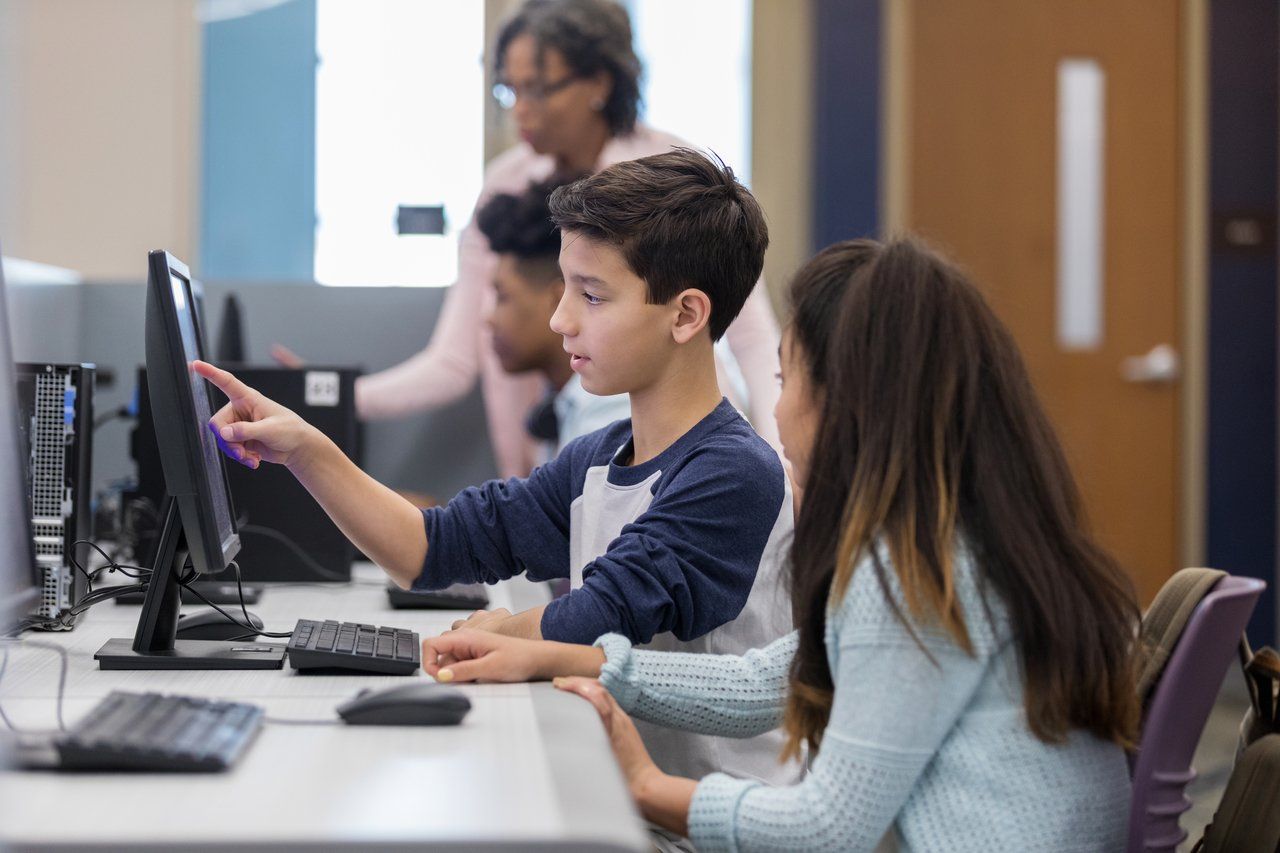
460,348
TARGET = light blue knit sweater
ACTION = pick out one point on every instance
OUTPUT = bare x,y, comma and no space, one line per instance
940,752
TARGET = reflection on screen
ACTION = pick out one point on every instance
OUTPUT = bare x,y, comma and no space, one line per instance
208,445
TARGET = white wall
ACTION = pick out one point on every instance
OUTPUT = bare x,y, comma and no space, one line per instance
99,121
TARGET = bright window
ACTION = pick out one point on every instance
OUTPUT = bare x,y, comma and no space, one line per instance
399,119
399,101
697,58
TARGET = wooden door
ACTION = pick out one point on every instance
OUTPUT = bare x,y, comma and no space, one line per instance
981,182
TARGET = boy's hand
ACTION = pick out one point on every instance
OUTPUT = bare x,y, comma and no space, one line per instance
526,624
286,357
482,620
251,428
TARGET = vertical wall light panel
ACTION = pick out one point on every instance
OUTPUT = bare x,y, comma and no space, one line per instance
1081,146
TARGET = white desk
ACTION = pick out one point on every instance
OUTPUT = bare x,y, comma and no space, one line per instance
529,768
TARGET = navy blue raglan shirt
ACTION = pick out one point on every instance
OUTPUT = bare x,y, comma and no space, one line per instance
671,545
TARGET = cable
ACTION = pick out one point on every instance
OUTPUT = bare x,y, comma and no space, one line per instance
63,618
248,627
240,593
306,559
93,597
278,721
112,565
135,572
115,414
62,679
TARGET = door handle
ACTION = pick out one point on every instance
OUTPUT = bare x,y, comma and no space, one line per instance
1160,366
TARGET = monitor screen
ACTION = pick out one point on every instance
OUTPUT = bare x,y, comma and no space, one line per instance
212,457
20,579
181,410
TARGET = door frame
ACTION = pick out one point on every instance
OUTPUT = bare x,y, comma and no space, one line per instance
895,191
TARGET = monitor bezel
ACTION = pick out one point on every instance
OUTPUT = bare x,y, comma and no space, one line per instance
173,412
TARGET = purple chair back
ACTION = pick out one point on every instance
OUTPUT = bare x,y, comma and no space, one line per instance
1179,707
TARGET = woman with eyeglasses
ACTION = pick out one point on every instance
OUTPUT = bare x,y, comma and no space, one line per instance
570,77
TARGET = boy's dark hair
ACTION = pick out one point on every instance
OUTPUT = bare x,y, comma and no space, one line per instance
680,220
593,36
520,225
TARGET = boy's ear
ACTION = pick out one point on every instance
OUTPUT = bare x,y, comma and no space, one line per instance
693,313
601,88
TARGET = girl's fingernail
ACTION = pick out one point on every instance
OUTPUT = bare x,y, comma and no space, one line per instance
444,675
227,433
559,681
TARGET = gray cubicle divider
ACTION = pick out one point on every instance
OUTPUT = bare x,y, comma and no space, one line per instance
438,453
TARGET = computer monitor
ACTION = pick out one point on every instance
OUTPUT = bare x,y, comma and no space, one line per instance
181,410
20,579
198,533
231,347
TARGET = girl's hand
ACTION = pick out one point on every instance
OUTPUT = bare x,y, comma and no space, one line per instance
252,429
470,655
637,767
662,799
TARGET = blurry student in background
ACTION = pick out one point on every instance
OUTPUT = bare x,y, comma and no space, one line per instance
527,287
570,76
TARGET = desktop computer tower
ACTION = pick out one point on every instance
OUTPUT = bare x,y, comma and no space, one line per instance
274,511
55,406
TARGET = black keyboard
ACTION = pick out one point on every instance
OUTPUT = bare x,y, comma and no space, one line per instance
460,596
148,731
346,646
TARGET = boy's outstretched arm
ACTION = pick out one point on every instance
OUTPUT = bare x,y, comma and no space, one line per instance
252,429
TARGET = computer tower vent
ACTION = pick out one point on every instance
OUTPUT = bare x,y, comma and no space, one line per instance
54,415
57,415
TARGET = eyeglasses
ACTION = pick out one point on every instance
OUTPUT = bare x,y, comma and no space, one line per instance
506,94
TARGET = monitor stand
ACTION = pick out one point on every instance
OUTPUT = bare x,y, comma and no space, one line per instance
154,645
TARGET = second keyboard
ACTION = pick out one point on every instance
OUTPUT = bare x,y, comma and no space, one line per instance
354,647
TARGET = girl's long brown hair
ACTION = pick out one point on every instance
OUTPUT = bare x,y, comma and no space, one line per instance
930,430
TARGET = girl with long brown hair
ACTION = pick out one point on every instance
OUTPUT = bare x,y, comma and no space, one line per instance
962,667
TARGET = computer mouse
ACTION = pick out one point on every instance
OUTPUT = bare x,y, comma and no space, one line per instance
423,703
212,625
